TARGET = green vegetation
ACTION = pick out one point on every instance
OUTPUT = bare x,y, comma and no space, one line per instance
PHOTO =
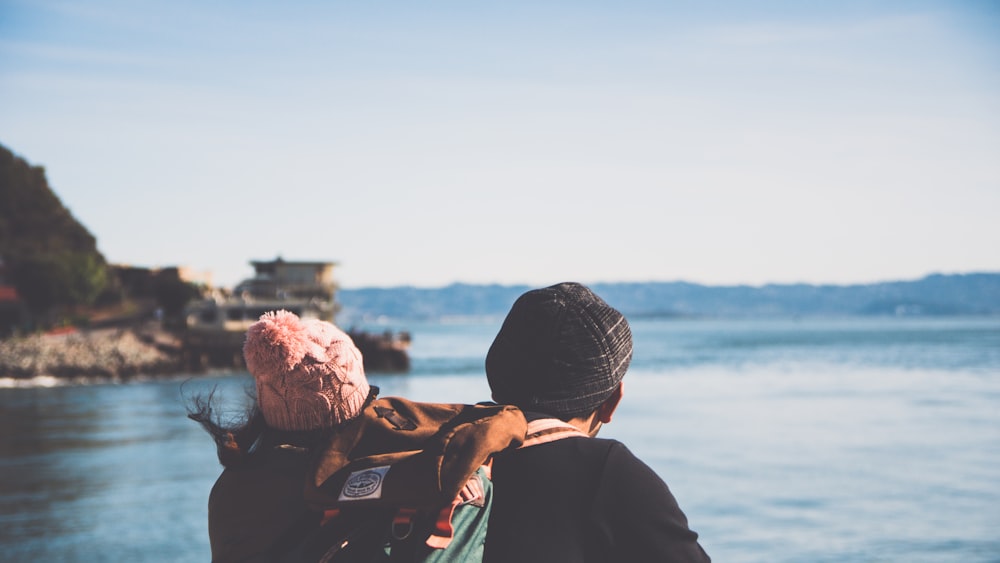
58,280
48,256
172,294
53,263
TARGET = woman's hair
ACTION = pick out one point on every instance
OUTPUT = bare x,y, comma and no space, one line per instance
234,437
237,436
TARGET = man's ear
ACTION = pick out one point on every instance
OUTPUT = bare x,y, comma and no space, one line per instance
607,408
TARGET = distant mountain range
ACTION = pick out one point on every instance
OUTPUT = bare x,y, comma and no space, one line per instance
975,294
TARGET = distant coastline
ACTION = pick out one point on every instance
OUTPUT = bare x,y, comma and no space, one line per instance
975,294
119,354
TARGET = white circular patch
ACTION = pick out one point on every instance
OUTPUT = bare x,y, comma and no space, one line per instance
364,484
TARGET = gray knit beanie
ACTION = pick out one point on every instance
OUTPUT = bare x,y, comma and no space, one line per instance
561,351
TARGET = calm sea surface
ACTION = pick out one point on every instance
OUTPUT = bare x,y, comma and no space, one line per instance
784,441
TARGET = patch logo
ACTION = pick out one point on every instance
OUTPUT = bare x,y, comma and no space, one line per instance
364,484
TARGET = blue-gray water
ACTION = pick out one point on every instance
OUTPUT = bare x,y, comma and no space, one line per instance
784,441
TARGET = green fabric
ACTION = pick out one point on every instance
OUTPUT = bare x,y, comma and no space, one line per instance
469,522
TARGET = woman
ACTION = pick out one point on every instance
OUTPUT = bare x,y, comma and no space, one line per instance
309,378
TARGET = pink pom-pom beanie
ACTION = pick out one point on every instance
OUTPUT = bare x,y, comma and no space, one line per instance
309,373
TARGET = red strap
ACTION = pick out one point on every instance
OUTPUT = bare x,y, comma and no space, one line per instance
472,493
443,532
329,515
402,522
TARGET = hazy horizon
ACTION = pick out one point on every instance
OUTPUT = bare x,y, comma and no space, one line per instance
713,285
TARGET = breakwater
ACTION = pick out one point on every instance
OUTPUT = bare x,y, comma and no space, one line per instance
142,350
117,353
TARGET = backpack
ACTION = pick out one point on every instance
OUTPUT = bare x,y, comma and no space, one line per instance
407,481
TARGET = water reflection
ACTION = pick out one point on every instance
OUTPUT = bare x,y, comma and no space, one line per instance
81,466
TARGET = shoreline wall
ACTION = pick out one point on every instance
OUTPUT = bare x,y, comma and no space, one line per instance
111,353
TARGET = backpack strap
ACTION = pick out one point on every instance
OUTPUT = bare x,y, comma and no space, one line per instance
402,522
442,531
472,493
545,430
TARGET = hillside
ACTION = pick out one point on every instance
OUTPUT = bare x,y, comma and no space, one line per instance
48,256
934,295
33,220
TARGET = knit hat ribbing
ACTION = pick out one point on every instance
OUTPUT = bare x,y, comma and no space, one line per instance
309,374
561,351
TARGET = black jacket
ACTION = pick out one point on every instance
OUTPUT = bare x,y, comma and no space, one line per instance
584,500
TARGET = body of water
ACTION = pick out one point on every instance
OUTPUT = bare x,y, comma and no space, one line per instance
784,441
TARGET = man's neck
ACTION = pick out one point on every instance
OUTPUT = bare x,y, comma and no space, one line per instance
587,424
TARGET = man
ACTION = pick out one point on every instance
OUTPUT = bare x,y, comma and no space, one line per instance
565,495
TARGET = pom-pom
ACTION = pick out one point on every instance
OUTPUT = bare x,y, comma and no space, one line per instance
276,343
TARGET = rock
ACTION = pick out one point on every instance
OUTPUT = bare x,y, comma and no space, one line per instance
110,353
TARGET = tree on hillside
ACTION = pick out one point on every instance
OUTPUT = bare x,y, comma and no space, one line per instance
52,260
172,294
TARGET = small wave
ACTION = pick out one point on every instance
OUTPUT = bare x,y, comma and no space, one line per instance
37,381
49,381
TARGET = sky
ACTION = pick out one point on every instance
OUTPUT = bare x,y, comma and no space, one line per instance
428,143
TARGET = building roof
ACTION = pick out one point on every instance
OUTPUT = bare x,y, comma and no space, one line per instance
293,262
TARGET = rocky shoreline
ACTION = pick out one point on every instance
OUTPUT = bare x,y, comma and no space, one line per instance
148,350
118,353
